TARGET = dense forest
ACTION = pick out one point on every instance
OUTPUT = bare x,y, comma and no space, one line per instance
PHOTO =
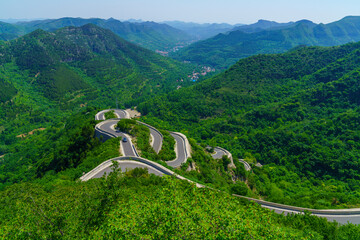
150,35
295,113
48,76
297,110
142,206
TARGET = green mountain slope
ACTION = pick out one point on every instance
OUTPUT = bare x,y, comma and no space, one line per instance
141,206
150,35
299,110
7,91
262,25
60,60
50,75
224,50
9,31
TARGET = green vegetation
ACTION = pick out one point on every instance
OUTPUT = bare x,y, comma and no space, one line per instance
90,58
167,152
153,36
125,125
298,110
141,136
7,91
138,205
68,148
285,111
50,76
9,31
224,50
110,115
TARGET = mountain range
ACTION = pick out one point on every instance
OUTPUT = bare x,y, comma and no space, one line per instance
201,31
293,117
264,37
77,64
150,35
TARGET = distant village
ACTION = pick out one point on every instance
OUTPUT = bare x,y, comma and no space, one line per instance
204,71
196,74
166,53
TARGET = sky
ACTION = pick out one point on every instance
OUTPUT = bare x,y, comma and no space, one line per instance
201,11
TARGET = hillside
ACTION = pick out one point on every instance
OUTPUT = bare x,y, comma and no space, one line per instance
56,82
142,206
262,25
9,31
224,50
149,35
50,75
297,113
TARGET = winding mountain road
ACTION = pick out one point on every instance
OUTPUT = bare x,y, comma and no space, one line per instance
131,161
118,112
108,127
107,130
180,149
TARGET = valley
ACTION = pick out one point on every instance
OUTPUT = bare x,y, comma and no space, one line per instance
206,146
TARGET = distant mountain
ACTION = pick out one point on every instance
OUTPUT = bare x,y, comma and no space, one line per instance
9,31
133,20
224,50
85,60
262,25
150,35
201,31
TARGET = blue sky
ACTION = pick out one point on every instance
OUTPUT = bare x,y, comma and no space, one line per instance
230,11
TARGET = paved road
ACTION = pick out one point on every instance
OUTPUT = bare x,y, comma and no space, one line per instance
246,164
127,147
342,216
218,153
180,150
126,165
156,136
339,217
118,112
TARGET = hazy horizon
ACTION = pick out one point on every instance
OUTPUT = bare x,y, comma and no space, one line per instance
14,20
199,11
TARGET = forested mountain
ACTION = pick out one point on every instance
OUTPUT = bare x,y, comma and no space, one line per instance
298,109
262,25
9,31
224,50
150,35
49,75
201,31
58,60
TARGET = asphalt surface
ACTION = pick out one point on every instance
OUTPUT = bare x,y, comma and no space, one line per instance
246,165
126,165
218,153
127,147
340,218
157,137
180,152
101,115
157,140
